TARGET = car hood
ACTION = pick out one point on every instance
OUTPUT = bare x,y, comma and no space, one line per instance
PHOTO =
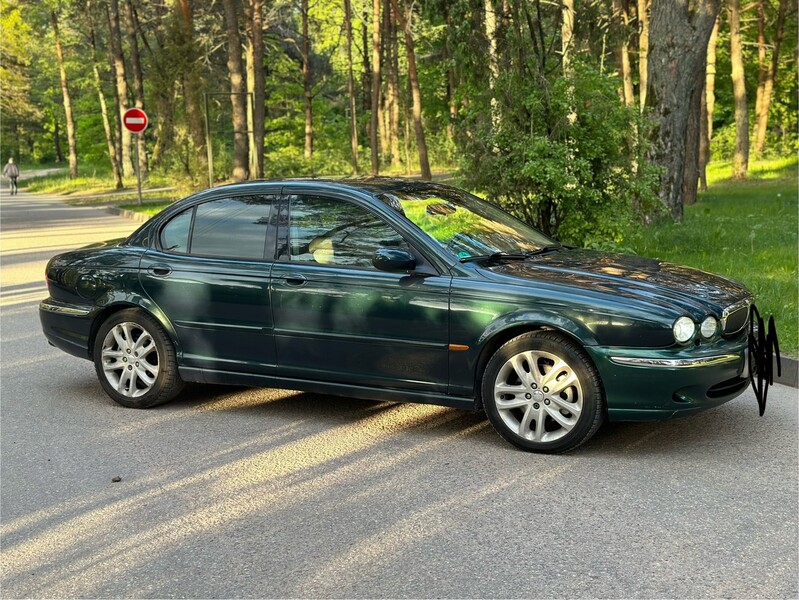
643,279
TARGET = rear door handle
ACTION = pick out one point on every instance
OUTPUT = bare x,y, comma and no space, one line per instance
159,270
296,280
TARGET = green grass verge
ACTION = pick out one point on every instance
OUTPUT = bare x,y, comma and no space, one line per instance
746,230
150,208
95,185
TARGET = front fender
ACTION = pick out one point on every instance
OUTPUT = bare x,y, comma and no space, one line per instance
466,366
532,319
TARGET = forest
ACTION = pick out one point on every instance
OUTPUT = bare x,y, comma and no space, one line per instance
576,116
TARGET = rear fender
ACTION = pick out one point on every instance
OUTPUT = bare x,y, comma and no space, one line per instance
119,300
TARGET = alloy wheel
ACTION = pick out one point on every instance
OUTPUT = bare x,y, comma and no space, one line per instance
538,396
130,359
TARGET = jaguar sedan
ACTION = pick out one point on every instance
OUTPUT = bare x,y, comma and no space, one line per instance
390,289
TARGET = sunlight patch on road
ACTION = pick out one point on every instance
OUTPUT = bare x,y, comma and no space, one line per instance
87,548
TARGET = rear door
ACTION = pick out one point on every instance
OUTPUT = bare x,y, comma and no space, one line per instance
209,274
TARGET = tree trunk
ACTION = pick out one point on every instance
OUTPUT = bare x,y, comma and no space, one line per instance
59,155
567,33
704,142
491,37
255,83
643,49
740,159
761,124
306,81
620,20
184,40
392,92
421,144
112,155
762,67
692,143
238,92
677,55
121,98
385,69
73,146
366,75
373,122
453,107
351,87
710,80
138,81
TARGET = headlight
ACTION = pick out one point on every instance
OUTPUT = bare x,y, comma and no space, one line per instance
684,329
709,327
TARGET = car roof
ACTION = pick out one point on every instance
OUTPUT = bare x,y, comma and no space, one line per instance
373,185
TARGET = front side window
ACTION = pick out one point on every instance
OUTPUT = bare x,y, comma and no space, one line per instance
327,231
225,228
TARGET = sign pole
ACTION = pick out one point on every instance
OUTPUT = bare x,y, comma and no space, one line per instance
138,170
135,120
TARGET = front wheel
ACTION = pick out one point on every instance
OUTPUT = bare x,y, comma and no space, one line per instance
542,393
135,360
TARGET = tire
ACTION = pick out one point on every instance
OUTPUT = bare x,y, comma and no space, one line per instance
135,360
524,410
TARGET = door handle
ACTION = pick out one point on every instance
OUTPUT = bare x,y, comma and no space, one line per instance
296,280
159,270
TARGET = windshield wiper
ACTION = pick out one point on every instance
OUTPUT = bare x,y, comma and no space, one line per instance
514,256
544,250
494,256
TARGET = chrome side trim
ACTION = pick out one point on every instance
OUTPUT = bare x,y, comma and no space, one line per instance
63,309
674,363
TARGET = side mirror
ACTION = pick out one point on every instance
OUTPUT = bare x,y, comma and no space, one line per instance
393,259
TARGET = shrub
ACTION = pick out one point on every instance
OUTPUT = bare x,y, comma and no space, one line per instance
563,154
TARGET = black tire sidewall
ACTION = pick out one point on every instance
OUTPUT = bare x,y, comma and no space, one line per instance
592,413
159,393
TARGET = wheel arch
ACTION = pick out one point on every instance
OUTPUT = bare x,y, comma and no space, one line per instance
501,332
145,306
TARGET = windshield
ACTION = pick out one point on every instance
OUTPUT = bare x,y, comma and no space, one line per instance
464,224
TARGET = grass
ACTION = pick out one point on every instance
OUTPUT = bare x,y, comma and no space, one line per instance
150,208
746,230
98,186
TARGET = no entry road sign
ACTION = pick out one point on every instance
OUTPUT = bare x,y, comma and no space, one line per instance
135,120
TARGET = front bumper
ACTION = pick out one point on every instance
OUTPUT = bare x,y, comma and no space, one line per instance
660,384
67,326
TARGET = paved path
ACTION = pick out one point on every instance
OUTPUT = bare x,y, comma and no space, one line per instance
261,493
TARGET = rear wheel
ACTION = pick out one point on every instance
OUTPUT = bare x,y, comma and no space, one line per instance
542,393
135,360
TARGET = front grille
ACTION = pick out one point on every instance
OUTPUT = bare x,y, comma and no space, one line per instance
735,317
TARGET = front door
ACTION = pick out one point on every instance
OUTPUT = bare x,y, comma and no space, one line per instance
210,276
338,318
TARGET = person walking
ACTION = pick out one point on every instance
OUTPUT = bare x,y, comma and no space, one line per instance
11,171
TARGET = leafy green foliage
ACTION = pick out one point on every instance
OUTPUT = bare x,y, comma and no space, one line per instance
565,155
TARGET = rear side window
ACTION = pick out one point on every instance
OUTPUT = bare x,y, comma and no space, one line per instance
175,236
226,228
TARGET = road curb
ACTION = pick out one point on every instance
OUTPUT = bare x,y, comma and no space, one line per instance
790,371
128,214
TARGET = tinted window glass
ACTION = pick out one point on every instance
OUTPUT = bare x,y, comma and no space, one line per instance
232,228
332,232
175,236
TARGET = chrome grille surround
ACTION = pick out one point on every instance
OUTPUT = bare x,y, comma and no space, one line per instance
735,317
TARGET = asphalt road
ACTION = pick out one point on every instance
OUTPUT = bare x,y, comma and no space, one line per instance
230,492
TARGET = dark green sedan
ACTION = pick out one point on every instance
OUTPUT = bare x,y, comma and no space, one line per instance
390,289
